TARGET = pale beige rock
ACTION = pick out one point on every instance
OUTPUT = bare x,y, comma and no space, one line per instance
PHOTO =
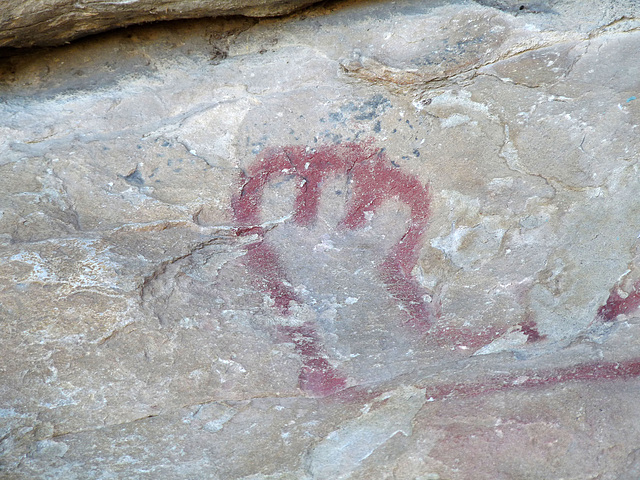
139,340
54,22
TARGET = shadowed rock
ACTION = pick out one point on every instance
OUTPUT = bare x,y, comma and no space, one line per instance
54,22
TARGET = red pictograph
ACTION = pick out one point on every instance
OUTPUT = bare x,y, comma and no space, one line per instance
374,179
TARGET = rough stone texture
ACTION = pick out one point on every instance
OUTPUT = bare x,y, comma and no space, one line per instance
380,240
29,23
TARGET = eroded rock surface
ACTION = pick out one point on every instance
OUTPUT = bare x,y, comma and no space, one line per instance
29,23
377,240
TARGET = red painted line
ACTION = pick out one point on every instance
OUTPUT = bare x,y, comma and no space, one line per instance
263,259
317,375
534,379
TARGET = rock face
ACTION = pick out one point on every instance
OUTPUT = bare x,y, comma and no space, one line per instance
54,22
377,240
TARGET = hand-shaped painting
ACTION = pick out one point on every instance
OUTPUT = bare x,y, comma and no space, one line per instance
374,180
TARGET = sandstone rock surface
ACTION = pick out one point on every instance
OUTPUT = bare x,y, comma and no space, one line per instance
380,240
54,22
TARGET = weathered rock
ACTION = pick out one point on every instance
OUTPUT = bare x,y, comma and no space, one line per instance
54,22
378,240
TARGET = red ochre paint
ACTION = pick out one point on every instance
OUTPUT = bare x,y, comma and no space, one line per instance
585,372
616,305
530,329
317,375
582,372
374,180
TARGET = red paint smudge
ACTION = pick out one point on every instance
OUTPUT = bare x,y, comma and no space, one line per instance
317,375
374,180
530,329
617,305
582,372
263,259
